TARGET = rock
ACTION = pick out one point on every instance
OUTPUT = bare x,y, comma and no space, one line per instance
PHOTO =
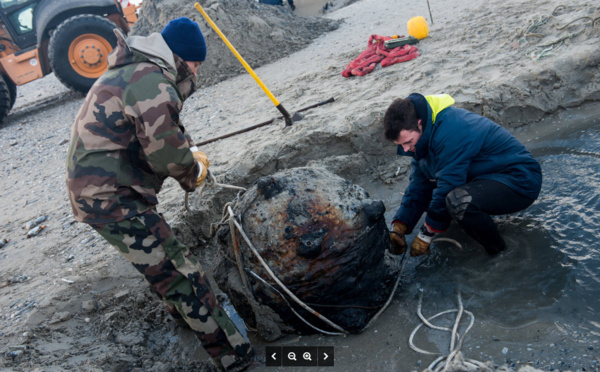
35,231
122,294
135,338
31,224
159,367
89,306
61,317
111,315
322,237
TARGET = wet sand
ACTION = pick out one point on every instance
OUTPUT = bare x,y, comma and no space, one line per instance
308,8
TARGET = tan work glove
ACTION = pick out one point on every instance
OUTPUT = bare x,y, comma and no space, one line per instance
421,243
202,159
397,239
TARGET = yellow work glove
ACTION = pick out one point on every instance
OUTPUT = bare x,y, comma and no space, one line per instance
202,176
420,244
397,238
202,159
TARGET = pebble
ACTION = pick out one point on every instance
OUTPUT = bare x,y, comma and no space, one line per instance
111,315
35,231
3,242
505,350
31,224
61,317
89,306
122,294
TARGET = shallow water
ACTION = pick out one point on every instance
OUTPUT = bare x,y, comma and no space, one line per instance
537,304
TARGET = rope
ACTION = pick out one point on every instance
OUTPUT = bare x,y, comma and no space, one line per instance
539,51
274,277
405,260
294,311
210,181
449,240
454,355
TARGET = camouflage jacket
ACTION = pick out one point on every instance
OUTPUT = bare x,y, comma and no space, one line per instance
127,137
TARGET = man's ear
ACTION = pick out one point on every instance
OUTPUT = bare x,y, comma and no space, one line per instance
419,125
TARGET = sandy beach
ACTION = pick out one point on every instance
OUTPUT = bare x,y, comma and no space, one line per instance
68,301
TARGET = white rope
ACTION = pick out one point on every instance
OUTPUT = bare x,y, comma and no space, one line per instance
210,181
405,259
291,308
449,240
274,277
456,342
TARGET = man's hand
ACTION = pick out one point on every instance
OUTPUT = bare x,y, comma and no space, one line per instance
397,238
202,160
420,244
202,176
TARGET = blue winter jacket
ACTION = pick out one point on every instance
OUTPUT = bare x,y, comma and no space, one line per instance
457,147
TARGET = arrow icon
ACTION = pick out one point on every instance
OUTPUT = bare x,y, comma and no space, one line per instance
326,356
274,356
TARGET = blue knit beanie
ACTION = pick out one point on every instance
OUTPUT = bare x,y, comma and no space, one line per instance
184,38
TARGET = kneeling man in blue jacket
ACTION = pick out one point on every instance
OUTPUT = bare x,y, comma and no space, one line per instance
464,167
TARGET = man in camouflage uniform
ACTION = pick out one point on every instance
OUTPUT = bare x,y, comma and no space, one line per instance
126,140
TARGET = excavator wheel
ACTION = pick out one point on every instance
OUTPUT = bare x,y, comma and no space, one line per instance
79,48
12,90
5,101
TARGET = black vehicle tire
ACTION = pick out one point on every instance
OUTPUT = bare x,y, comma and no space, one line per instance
74,72
5,101
12,90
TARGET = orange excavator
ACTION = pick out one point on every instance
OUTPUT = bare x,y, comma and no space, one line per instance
71,38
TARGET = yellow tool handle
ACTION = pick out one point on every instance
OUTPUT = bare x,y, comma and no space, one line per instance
239,57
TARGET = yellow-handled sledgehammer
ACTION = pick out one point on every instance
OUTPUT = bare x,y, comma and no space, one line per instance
278,105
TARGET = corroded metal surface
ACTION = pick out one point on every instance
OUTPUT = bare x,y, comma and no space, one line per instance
322,237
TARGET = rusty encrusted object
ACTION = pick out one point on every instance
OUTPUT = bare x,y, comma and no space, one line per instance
323,237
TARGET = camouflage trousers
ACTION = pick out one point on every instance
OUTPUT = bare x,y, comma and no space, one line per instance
176,276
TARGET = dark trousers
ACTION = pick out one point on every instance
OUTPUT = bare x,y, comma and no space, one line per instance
472,204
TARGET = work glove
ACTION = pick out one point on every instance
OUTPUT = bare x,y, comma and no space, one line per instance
202,176
421,243
202,160
397,239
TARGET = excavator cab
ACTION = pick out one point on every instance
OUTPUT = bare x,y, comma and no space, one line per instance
71,38
17,16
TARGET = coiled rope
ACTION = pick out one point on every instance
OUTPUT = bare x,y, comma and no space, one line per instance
454,354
